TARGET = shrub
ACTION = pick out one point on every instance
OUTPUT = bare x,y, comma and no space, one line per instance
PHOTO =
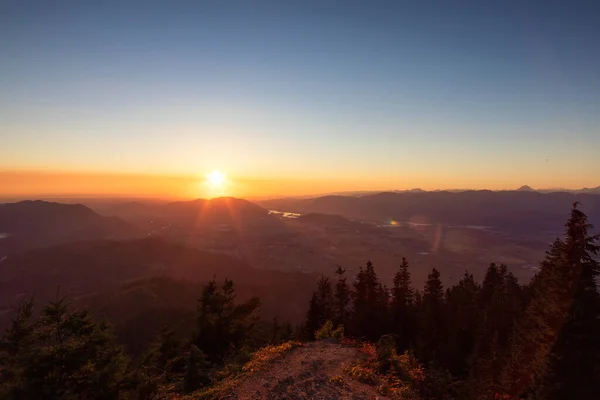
407,368
267,354
338,333
362,373
386,351
325,331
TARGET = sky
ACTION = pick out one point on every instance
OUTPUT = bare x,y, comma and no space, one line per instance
297,97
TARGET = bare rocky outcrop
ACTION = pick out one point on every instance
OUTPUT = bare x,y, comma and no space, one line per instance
312,371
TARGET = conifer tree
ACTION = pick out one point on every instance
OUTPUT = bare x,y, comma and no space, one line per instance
431,326
164,356
196,370
500,303
67,356
342,298
555,352
575,362
366,304
463,313
325,298
321,307
383,310
402,307
15,346
222,325
313,317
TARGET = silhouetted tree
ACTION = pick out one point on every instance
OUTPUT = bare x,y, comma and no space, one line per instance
196,370
223,326
500,304
555,352
321,307
402,307
366,304
313,317
325,298
164,356
62,355
431,325
463,314
342,298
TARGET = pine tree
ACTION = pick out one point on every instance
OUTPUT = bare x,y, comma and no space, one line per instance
383,310
196,370
222,325
431,327
313,317
500,303
67,356
555,350
402,307
342,298
164,356
325,298
15,346
463,311
366,304
321,307
575,362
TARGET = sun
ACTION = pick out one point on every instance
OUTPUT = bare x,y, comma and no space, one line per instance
216,179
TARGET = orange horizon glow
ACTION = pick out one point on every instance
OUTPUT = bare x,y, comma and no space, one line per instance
35,184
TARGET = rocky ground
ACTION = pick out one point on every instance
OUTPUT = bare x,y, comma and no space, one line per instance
312,371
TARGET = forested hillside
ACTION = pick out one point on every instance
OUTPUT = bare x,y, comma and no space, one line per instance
493,339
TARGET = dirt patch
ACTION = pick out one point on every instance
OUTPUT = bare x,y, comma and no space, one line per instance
313,371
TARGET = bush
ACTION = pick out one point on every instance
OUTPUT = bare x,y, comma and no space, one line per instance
327,331
362,373
338,333
386,351
267,354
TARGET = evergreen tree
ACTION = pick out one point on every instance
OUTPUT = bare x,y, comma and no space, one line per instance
280,333
15,348
431,326
500,303
196,370
366,304
402,307
342,298
223,326
67,356
555,351
313,317
325,298
321,307
463,312
164,356
383,310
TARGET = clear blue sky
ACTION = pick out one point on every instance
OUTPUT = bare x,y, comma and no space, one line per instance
400,93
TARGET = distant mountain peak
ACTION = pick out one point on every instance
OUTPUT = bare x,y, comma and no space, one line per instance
525,188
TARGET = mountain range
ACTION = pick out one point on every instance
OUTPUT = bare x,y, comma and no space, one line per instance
30,224
523,210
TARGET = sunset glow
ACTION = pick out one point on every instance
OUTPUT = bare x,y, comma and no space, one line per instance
216,179
152,109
